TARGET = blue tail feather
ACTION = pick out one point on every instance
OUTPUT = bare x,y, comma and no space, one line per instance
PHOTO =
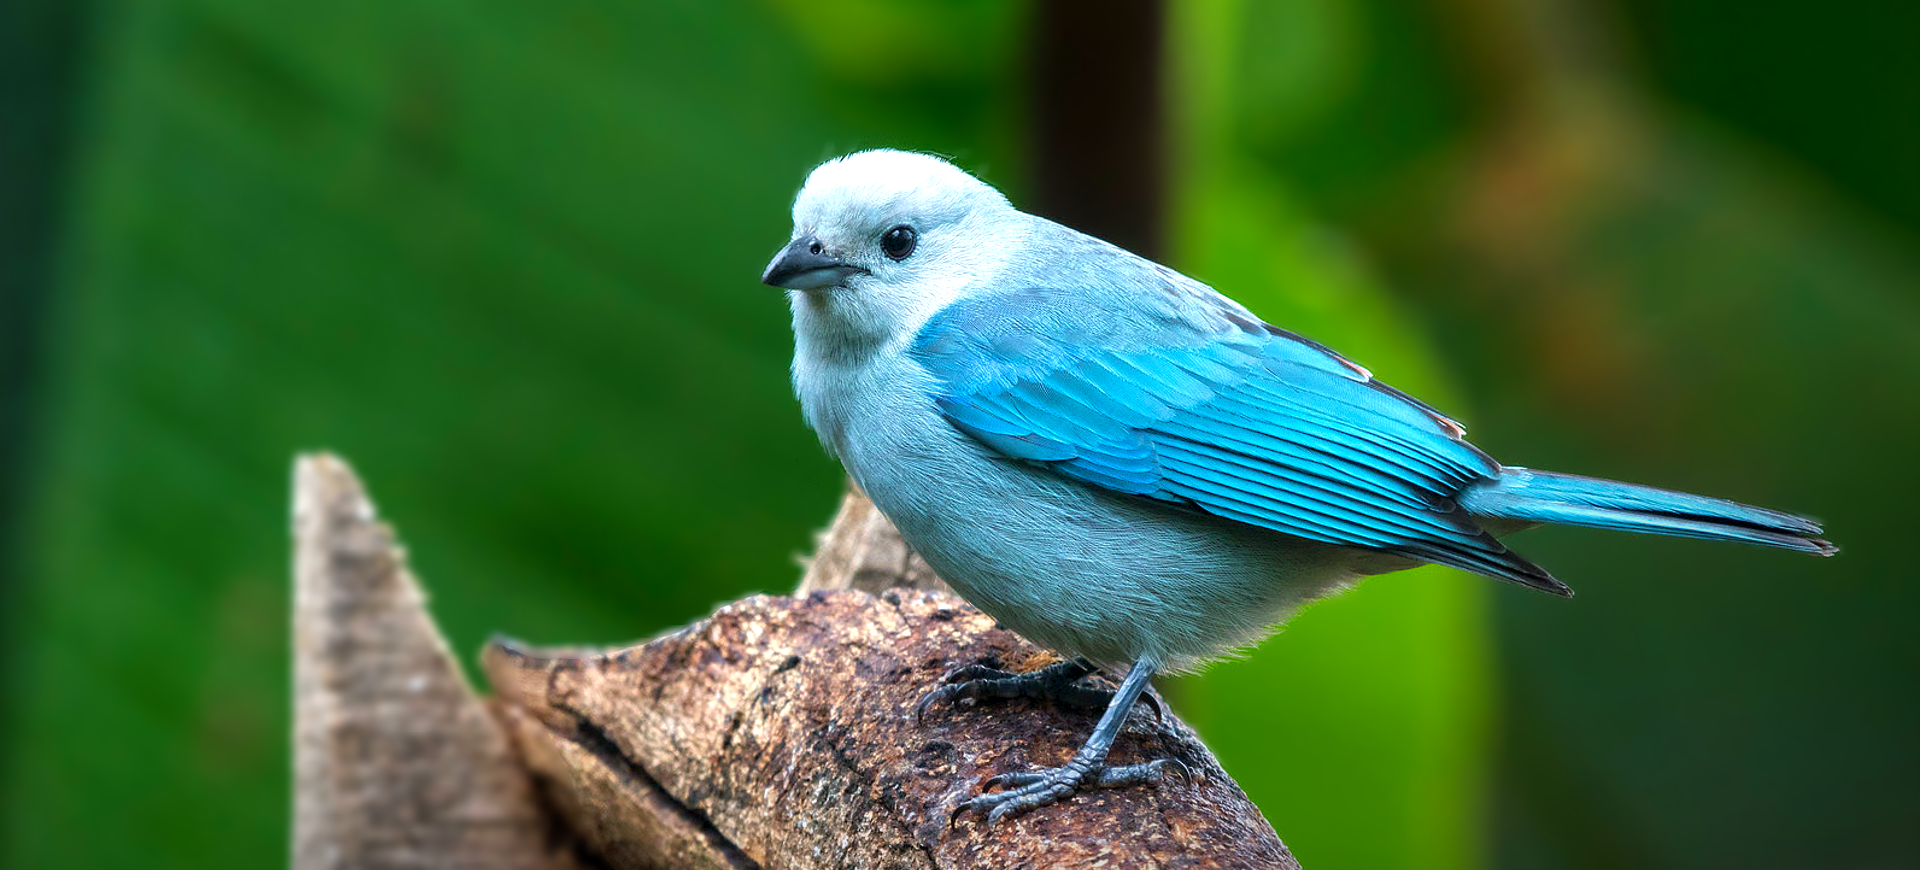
1547,497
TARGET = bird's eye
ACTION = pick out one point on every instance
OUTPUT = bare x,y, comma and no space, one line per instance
898,242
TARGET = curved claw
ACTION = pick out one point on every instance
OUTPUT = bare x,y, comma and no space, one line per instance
1158,768
927,700
1159,713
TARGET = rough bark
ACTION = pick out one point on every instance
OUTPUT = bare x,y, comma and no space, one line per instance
777,733
786,727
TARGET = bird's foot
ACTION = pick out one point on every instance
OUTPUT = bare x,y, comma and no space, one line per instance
1035,789
1058,682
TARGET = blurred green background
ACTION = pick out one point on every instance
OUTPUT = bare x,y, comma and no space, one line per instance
503,257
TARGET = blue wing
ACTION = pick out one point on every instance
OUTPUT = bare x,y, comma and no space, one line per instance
1179,395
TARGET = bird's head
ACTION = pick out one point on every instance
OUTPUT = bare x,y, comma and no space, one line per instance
884,239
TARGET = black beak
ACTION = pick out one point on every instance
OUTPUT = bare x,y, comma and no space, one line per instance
805,265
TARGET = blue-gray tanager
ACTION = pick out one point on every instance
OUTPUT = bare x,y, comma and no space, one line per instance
1121,464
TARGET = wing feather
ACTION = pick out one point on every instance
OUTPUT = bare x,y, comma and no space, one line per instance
1199,404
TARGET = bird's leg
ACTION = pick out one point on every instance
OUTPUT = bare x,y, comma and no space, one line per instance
1059,682
1086,770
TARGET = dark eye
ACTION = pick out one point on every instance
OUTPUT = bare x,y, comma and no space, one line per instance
898,242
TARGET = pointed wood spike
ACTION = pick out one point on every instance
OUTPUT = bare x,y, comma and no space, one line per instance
396,762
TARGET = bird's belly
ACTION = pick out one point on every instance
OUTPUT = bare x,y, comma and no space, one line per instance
1083,570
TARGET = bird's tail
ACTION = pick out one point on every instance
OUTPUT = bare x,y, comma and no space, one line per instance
1530,496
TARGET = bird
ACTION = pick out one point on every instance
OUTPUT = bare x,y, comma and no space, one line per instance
1120,463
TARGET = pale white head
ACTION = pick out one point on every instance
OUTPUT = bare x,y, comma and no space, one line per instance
884,239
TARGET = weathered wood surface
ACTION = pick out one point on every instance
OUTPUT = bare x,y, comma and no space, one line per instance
787,725
396,762
777,733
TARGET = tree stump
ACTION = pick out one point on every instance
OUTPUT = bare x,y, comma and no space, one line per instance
776,733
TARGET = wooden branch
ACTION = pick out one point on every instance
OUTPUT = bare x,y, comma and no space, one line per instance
776,733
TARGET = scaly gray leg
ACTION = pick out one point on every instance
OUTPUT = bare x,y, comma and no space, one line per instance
1087,769
1059,682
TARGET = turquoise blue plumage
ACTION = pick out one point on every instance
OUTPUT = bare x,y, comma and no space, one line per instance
1119,462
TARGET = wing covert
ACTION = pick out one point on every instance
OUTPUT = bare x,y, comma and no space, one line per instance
1196,403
